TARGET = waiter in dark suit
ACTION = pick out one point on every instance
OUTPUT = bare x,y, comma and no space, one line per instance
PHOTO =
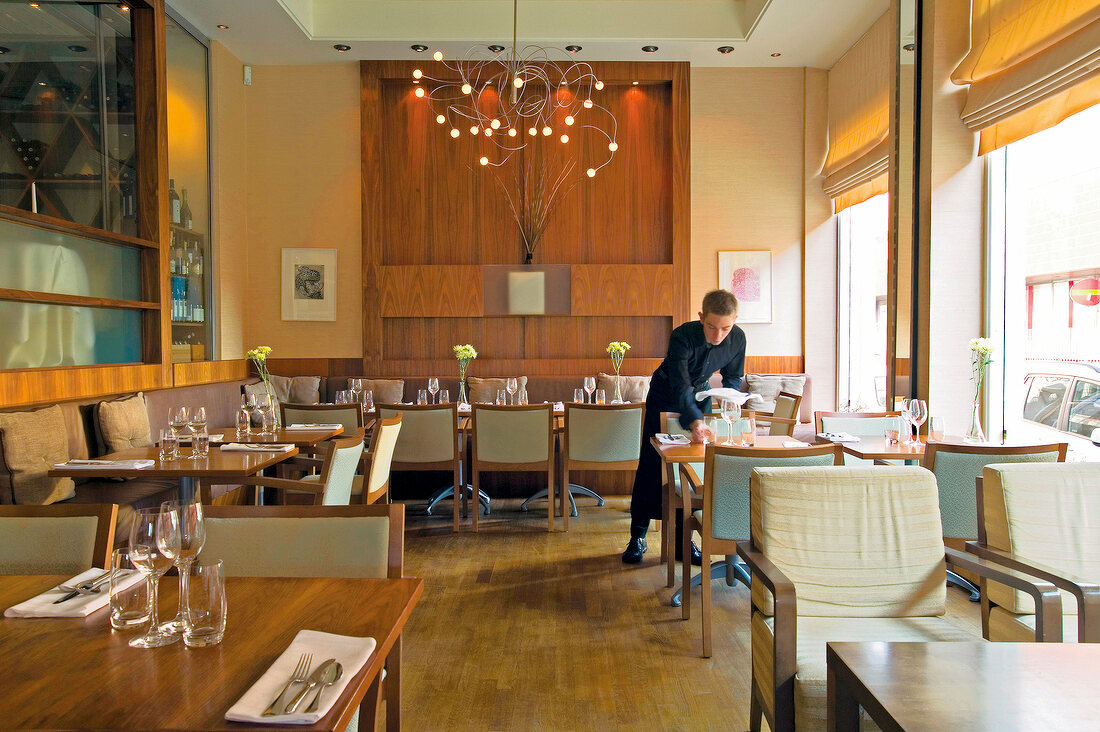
695,351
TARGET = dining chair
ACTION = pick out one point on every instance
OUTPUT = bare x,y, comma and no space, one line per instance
719,508
513,438
374,484
599,437
349,416
784,417
318,541
1040,519
429,440
847,554
956,467
857,424
330,487
59,538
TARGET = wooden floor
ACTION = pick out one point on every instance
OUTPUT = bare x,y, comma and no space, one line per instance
519,629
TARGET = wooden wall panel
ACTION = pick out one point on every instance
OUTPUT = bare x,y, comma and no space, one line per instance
206,372
585,337
47,386
444,291
606,289
416,339
774,364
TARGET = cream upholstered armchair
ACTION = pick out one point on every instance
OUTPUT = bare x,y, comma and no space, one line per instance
374,485
845,554
332,486
59,538
1042,520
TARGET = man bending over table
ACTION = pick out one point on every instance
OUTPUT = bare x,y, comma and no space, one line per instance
695,351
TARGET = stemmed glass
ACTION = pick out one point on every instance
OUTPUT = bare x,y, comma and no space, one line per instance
917,411
178,420
354,386
192,535
589,386
197,424
433,388
731,412
511,386
154,546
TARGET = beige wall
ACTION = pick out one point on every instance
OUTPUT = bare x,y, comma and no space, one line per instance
747,176
293,171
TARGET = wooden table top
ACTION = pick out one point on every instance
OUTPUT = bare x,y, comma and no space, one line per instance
64,673
298,438
696,452
217,464
975,686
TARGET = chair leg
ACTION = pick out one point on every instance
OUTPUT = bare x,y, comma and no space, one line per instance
965,585
685,570
550,496
368,708
756,712
475,479
565,491
668,551
393,688
707,589
455,507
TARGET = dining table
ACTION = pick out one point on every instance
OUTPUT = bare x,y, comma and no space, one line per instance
78,673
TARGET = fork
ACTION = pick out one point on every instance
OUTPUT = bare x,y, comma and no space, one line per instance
301,672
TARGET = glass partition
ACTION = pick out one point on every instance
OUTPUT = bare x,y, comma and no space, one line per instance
36,335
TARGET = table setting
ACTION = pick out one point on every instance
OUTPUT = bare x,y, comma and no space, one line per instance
78,464
77,597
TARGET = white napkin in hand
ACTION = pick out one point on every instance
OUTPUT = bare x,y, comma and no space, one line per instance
41,606
314,427
255,447
96,464
351,652
724,393
795,443
666,439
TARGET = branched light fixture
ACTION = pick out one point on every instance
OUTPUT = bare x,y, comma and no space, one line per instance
519,99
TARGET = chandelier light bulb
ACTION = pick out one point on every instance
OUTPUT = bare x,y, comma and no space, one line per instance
455,132
466,88
419,91
440,119
599,84
417,73
438,55
565,138
517,82
473,130
591,172
511,132
612,146
495,124
546,131
532,132
588,104
484,160
488,132
569,120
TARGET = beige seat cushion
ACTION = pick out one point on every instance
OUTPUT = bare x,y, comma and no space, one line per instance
385,391
124,423
769,386
484,391
1011,628
291,389
811,679
634,388
30,444
130,495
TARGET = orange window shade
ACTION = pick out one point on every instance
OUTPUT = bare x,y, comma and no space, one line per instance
1041,116
861,193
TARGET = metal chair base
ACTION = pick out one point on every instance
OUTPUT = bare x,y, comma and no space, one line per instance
449,491
573,488
731,569
965,585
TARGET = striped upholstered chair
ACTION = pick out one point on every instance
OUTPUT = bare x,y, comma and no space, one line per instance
1042,520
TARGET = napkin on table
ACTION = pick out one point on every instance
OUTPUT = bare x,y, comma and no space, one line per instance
81,606
255,447
93,464
666,439
311,426
351,652
216,437
838,437
795,443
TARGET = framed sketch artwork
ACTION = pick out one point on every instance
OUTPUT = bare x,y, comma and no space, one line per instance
309,284
748,275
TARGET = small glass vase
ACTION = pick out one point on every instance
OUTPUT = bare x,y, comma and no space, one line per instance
975,433
462,392
618,389
276,417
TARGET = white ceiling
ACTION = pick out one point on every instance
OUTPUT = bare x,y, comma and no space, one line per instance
275,32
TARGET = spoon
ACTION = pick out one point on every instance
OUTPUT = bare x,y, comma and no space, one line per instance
332,675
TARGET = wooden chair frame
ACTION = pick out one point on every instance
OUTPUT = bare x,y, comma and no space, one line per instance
1087,594
477,465
300,463
567,463
454,464
390,689
105,513
771,419
709,544
367,463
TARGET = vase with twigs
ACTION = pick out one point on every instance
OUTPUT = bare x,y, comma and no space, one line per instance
463,354
618,350
534,194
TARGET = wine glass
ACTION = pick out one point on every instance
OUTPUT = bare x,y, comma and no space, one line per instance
589,386
917,409
177,421
354,386
197,424
512,386
192,535
731,412
154,546
433,388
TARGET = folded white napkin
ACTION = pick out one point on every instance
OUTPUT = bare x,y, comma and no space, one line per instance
216,437
41,606
94,464
255,447
311,426
666,439
838,437
723,393
464,408
795,443
351,652
559,407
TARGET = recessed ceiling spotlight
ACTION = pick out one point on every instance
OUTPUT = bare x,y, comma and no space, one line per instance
4,49
78,49
573,49
910,47
419,47
123,8
776,55
223,26
342,47
725,49
649,49
496,48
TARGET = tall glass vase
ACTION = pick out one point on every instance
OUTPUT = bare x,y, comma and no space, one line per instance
462,382
618,389
975,433
275,411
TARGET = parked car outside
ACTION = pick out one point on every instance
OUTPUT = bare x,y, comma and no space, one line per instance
1062,402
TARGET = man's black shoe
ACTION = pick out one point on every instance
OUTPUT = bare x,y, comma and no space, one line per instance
634,551
696,555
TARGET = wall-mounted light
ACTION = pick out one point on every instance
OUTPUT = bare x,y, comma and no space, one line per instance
419,47
910,47
634,83
649,49
342,47
725,50
573,49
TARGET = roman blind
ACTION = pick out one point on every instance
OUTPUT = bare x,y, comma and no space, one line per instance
1031,64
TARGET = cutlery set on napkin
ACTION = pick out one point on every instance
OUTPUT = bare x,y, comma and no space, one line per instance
306,426
95,464
838,437
667,439
214,438
78,597
255,447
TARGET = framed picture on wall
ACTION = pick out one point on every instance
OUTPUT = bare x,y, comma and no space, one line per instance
309,284
748,275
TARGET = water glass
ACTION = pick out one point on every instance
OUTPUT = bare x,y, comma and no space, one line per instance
936,429
578,396
129,605
169,445
748,436
205,608
601,396
521,396
342,396
368,400
200,444
422,396
502,397
892,430
444,396
244,423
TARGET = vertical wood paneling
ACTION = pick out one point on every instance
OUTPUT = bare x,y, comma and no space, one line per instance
586,337
207,372
416,339
606,289
430,291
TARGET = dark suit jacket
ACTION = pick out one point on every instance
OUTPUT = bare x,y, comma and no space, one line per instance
688,367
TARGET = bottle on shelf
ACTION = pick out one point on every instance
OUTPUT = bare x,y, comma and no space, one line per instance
196,264
174,204
185,212
173,265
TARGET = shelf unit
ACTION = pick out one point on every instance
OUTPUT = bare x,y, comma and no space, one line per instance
188,257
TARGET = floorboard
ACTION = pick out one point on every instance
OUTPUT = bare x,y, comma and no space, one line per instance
519,629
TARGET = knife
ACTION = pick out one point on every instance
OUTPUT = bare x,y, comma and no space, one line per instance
315,678
86,587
